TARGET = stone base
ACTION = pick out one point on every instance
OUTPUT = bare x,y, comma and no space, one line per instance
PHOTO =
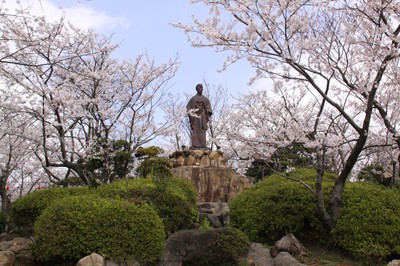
213,184
204,158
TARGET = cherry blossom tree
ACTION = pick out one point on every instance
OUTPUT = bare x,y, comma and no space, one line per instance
345,53
79,99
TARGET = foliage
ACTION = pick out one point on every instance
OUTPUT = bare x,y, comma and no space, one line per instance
221,246
373,173
281,159
25,210
259,169
157,167
173,198
369,224
152,151
295,155
153,165
274,207
231,244
205,225
110,160
77,226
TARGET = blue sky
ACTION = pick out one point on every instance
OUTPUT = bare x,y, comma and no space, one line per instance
144,25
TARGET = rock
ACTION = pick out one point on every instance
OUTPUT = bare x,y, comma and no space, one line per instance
205,158
93,259
21,248
213,184
259,256
285,259
190,160
394,263
19,243
24,258
291,244
216,212
7,258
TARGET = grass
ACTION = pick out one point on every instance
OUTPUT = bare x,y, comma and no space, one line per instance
329,257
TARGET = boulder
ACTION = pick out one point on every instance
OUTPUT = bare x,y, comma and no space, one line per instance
217,213
394,263
21,249
93,259
285,259
7,258
259,256
290,244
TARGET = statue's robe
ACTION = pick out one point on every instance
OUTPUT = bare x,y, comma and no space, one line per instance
201,107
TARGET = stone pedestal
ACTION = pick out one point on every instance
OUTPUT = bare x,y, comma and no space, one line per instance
203,158
208,172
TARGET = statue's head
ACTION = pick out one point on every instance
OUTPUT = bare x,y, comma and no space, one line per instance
199,88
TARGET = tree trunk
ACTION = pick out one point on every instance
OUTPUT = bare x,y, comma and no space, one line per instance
3,195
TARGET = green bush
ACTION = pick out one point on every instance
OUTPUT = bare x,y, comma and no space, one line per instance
25,210
221,246
173,198
369,224
77,226
229,245
274,207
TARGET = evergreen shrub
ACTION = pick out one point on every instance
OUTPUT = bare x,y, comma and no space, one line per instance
173,198
216,246
368,225
26,209
274,207
78,226
369,222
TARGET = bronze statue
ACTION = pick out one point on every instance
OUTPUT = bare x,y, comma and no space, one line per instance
199,112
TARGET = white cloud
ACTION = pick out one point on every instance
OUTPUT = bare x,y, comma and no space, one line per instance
78,14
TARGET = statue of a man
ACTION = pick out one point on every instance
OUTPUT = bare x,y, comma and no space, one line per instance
199,111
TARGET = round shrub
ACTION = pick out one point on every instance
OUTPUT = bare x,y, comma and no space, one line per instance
369,222
229,245
26,209
274,207
221,246
77,226
174,199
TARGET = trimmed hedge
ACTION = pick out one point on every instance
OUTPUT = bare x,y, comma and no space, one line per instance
75,227
173,198
220,246
369,224
25,210
274,207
